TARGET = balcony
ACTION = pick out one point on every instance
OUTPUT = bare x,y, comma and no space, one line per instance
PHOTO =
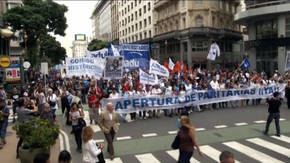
261,10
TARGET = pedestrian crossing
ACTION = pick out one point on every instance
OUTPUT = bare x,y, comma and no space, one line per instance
265,150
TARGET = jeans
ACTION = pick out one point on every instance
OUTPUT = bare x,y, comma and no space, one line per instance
272,116
3,128
78,137
184,157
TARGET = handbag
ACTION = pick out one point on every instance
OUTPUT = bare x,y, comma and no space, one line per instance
82,123
175,143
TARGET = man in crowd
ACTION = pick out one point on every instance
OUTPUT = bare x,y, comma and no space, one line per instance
227,157
274,113
4,114
109,125
47,113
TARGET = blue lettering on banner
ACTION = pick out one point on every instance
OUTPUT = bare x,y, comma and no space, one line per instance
127,103
152,101
160,102
144,102
136,103
168,101
118,106
229,93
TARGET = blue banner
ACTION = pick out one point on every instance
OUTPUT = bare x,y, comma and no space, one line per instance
136,56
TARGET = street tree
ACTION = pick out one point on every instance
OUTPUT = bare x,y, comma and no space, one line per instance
35,19
97,45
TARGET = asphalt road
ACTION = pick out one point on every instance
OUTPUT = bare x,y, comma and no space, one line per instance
149,140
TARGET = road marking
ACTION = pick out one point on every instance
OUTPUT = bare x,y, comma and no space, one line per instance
271,146
146,158
99,141
172,132
241,124
220,126
211,152
175,154
61,143
149,135
124,138
199,129
282,119
66,140
261,121
116,160
282,138
251,152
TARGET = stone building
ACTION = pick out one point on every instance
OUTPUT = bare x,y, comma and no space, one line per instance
268,24
184,31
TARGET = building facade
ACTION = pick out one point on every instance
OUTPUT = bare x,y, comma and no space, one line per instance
115,20
184,31
101,19
80,45
268,24
135,21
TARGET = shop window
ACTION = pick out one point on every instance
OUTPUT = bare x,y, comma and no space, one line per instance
266,29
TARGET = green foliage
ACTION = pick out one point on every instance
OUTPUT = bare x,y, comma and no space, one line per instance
37,133
51,49
36,18
97,45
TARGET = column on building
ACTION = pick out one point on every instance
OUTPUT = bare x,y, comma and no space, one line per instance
281,50
189,52
252,51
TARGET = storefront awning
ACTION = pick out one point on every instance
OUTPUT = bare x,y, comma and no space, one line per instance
6,33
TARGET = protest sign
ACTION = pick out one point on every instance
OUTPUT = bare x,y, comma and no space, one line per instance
99,55
193,98
147,79
82,66
136,56
158,69
114,67
13,71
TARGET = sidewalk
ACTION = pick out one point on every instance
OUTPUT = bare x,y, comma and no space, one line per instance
8,153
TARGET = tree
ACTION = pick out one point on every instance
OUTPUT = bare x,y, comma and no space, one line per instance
97,45
51,50
36,18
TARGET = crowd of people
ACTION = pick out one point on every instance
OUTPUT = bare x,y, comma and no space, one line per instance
42,98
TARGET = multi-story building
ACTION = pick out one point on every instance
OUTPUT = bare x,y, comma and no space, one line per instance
184,30
80,45
101,19
115,20
268,25
135,21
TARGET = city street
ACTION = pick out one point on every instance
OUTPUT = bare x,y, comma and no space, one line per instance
237,130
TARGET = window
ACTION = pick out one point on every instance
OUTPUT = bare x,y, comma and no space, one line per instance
200,46
122,12
149,20
125,10
128,8
132,28
199,21
140,12
136,26
132,5
129,30
129,19
135,2
149,6
144,9
136,15
184,22
132,17
145,35
221,4
136,37
150,34
139,1
140,25
140,36
198,1
125,21
288,27
145,23
266,29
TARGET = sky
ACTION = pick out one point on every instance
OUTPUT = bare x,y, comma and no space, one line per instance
78,21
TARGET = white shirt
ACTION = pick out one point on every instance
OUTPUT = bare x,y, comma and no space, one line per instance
53,98
91,152
111,116
215,85
188,87
116,95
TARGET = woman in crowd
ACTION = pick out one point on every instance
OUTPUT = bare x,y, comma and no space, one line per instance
64,157
187,141
91,150
74,117
52,100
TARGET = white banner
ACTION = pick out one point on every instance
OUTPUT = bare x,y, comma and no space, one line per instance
83,66
147,79
137,103
99,55
158,69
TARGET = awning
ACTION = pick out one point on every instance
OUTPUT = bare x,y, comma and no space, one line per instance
6,33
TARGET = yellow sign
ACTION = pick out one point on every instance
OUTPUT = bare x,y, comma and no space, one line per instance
5,62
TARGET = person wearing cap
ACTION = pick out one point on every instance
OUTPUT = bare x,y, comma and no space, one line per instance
274,113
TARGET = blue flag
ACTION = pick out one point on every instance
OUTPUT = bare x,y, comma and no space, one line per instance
245,64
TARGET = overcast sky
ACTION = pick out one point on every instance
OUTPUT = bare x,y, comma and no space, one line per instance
78,20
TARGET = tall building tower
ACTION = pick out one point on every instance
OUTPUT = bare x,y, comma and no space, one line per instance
115,20
184,31
268,25
80,45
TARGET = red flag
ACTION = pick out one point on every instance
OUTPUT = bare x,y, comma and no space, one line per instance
184,68
177,67
166,65
190,69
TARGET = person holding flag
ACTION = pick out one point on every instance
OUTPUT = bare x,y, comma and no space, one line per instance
245,64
